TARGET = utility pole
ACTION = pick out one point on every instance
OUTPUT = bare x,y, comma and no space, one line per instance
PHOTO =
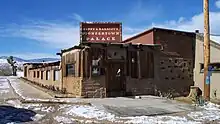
206,50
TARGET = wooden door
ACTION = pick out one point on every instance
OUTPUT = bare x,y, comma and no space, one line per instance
115,79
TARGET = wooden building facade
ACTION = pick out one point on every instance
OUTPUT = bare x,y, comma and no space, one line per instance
44,74
155,62
124,69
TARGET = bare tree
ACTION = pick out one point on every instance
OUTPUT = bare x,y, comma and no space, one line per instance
12,62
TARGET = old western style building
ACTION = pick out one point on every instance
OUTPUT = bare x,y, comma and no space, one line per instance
113,69
157,62
214,63
176,67
44,74
154,62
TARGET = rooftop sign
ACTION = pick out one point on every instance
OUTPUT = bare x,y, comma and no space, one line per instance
100,32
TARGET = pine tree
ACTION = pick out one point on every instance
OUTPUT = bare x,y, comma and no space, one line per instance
12,62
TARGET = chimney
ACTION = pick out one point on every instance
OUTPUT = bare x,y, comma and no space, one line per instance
197,31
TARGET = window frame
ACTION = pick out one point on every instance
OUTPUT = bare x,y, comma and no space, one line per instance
38,74
34,74
54,75
217,64
48,75
42,75
73,73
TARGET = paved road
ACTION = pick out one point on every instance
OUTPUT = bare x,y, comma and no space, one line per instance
27,90
138,107
6,92
12,110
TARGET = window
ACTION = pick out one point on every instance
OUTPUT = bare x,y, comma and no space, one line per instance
25,71
38,74
70,69
42,74
96,69
47,75
214,67
55,75
34,74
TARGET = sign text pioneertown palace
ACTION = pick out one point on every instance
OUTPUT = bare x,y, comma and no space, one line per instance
100,32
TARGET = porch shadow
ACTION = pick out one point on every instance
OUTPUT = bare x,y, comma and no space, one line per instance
10,114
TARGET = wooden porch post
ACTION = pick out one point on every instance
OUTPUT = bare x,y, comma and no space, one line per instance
139,64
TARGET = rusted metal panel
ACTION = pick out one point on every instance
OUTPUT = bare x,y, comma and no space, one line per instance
146,38
100,32
180,43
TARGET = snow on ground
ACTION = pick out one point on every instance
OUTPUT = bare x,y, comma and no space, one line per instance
64,120
33,106
69,120
15,86
209,112
15,103
3,61
4,87
20,74
159,120
39,107
37,117
90,112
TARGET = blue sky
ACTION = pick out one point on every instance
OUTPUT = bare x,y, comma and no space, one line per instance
40,28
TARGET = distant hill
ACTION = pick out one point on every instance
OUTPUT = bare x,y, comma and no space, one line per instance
42,60
3,58
16,58
4,66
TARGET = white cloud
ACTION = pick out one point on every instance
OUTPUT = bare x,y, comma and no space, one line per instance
194,23
30,55
52,34
78,17
64,34
59,34
217,3
129,32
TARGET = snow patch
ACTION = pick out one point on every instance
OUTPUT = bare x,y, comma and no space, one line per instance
15,85
37,117
15,103
63,107
4,91
64,120
39,107
3,61
90,112
4,86
48,109
20,74
210,112
158,120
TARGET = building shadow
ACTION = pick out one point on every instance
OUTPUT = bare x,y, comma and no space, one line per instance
10,114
